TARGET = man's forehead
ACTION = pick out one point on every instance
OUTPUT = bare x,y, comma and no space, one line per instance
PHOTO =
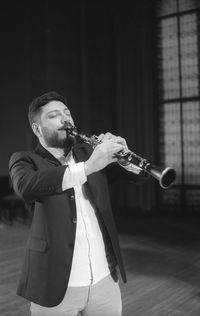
54,105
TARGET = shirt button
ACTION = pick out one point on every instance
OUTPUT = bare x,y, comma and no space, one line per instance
72,197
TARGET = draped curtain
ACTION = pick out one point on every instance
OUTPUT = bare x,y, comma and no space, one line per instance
117,85
100,55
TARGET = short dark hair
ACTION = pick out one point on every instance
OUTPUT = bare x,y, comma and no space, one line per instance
38,102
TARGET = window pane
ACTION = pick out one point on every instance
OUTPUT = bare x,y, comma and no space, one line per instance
169,57
171,198
191,138
189,55
185,5
193,198
171,138
166,7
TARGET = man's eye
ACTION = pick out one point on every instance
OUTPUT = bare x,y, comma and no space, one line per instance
53,115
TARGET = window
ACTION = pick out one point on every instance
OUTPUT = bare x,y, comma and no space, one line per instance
178,66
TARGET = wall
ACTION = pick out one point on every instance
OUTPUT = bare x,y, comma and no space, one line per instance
97,53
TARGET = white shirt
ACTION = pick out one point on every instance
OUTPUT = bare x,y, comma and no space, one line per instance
89,264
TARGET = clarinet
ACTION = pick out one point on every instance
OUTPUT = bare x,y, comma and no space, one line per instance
165,175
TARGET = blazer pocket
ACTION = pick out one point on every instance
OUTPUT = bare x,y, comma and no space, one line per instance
37,244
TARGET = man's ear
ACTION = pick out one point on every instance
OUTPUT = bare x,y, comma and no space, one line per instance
36,129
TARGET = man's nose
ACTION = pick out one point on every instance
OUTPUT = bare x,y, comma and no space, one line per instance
66,120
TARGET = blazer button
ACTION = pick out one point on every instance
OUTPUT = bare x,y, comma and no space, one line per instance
74,220
72,197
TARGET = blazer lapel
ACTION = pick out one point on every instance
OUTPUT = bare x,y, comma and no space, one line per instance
82,152
40,150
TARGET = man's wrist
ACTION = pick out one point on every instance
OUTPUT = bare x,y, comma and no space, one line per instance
88,168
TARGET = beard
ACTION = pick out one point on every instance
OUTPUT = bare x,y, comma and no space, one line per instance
54,139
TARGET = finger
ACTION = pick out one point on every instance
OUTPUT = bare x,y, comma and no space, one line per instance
108,135
114,159
120,140
101,137
117,139
116,148
111,147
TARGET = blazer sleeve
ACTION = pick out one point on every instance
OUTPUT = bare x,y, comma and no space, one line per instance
29,182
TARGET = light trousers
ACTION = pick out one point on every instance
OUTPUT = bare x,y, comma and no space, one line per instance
101,299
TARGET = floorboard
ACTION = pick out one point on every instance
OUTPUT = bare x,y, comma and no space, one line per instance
162,260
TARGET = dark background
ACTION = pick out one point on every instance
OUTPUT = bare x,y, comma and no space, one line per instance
100,55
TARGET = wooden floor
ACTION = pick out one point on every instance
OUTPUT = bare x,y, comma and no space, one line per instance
162,259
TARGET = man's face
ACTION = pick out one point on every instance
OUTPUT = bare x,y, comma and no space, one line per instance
53,116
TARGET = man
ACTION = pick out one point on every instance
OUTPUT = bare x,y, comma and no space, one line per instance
72,250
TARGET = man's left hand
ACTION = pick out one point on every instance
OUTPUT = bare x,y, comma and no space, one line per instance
116,139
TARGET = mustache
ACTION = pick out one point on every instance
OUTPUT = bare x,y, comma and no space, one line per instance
66,126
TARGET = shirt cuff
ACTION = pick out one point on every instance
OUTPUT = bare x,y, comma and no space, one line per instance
74,175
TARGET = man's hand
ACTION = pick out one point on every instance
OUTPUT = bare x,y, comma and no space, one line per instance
115,139
102,156
104,153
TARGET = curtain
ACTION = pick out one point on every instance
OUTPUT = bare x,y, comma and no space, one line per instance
100,55
117,85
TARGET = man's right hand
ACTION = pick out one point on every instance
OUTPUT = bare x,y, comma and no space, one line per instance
102,156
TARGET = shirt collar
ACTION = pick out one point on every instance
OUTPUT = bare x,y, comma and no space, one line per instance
58,153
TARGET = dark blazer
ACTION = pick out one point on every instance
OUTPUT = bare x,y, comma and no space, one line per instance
37,178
